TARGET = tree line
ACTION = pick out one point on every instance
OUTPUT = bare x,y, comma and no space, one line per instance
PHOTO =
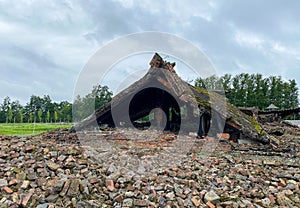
44,110
38,109
254,90
244,90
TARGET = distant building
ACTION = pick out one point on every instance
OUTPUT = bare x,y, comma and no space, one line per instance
272,107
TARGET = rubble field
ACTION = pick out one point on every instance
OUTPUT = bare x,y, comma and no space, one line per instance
132,168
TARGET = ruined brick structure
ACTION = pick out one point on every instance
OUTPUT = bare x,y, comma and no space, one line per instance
158,62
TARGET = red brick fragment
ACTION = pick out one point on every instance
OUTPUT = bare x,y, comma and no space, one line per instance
27,198
210,205
7,190
223,136
13,182
272,199
94,180
110,185
202,194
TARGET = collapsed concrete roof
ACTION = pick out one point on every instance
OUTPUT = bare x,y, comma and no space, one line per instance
162,88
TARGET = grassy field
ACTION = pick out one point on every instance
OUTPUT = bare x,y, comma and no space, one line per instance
29,128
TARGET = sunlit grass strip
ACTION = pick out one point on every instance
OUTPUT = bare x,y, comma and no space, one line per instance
30,128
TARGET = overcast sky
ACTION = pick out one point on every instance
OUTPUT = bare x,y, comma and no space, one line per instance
45,44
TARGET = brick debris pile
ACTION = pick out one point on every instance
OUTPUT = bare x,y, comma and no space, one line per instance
56,169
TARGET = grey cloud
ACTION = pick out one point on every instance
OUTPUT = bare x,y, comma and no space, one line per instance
57,38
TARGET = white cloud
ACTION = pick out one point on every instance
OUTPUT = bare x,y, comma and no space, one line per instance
174,9
6,28
284,50
248,39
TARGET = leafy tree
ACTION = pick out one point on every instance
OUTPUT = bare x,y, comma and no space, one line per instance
21,116
31,117
48,116
78,108
55,116
226,82
34,105
253,90
65,109
40,113
294,102
2,116
10,115
46,105
102,95
5,107
85,106
210,83
16,108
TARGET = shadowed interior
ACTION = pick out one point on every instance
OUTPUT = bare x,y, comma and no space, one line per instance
151,98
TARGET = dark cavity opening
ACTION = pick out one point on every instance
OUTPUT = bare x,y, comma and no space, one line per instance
155,107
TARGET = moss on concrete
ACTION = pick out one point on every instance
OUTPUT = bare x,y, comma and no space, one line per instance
233,113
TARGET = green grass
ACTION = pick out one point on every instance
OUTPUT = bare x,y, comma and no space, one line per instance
29,128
